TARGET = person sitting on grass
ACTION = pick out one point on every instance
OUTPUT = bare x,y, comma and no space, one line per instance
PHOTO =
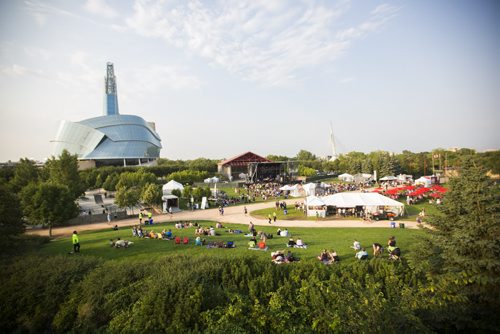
356,245
394,252
198,241
291,243
123,243
134,231
323,256
377,249
333,257
300,244
111,243
140,233
362,254
278,257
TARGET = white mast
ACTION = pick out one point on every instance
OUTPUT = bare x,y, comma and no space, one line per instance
332,142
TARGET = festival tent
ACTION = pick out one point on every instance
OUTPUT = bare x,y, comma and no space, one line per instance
171,185
309,189
316,207
211,180
286,188
296,190
362,178
346,177
425,181
388,178
371,201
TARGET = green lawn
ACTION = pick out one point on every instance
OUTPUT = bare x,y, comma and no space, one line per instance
95,243
412,211
291,215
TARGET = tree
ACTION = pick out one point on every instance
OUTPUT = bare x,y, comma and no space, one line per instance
461,253
64,171
111,182
274,157
127,197
151,194
202,164
306,171
24,173
304,155
10,212
188,176
48,203
138,179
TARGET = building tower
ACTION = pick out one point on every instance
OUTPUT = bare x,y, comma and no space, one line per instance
332,142
111,96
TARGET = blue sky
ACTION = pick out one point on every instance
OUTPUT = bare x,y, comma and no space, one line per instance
223,77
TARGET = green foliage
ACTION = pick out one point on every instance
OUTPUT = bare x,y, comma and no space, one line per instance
111,182
34,288
10,213
177,192
127,197
183,294
48,204
306,171
25,172
200,192
304,155
461,253
202,164
151,194
138,179
274,157
188,176
64,171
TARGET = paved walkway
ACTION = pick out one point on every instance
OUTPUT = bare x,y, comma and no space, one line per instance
232,214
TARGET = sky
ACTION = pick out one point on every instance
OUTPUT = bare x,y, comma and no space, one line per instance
220,78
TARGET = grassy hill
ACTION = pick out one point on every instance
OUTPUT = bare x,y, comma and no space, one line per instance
96,243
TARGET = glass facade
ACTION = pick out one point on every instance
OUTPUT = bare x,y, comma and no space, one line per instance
109,137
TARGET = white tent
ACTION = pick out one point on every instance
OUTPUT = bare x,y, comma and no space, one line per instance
211,180
346,177
316,207
425,181
286,188
296,190
388,178
371,201
171,185
309,189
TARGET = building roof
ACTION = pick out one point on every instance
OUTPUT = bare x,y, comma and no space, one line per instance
243,160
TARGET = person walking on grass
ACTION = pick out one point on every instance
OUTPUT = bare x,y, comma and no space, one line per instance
76,242
274,216
269,218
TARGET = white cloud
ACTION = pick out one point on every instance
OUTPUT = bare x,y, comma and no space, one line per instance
40,11
154,78
101,8
261,41
38,53
18,71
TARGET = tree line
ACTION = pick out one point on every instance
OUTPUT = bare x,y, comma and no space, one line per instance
386,163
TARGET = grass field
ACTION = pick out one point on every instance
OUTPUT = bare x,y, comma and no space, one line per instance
96,243
291,215
412,212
